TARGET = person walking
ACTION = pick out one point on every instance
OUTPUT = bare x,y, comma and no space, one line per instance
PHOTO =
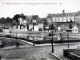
17,45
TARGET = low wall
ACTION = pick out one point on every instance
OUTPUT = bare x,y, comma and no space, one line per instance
68,53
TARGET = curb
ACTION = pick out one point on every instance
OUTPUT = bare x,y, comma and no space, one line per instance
39,44
47,44
27,42
10,59
56,56
14,48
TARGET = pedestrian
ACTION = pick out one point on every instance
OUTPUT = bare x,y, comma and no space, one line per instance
17,45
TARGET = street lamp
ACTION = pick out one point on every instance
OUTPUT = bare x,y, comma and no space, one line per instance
69,30
52,27
34,22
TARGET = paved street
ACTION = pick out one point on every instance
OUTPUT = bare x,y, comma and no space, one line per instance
25,51
58,50
34,52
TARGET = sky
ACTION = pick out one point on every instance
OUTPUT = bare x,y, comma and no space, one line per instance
8,8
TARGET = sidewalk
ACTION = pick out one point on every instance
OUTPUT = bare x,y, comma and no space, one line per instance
14,47
48,44
58,51
59,57
11,59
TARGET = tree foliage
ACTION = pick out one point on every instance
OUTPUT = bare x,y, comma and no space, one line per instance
16,17
2,20
13,20
8,20
71,21
45,21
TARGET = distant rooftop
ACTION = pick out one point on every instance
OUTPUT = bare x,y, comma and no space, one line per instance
64,14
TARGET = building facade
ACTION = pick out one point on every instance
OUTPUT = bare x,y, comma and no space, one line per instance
75,29
65,17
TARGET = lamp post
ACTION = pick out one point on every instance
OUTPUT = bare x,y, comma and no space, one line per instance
69,30
34,21
52,27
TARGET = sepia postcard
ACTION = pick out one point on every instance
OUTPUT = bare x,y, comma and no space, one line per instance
39,29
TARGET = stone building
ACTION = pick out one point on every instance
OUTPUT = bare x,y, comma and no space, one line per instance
65,17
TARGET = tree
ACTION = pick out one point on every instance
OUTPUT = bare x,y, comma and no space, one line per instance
45,23
2,20
8,20
16,17
71,21
51,27
70,26
22,16
15,20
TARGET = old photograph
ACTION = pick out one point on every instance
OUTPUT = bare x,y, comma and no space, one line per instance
39,29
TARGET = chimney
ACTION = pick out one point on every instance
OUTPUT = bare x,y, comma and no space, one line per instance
63,11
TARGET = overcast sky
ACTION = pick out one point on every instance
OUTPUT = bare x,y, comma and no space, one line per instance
42,9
